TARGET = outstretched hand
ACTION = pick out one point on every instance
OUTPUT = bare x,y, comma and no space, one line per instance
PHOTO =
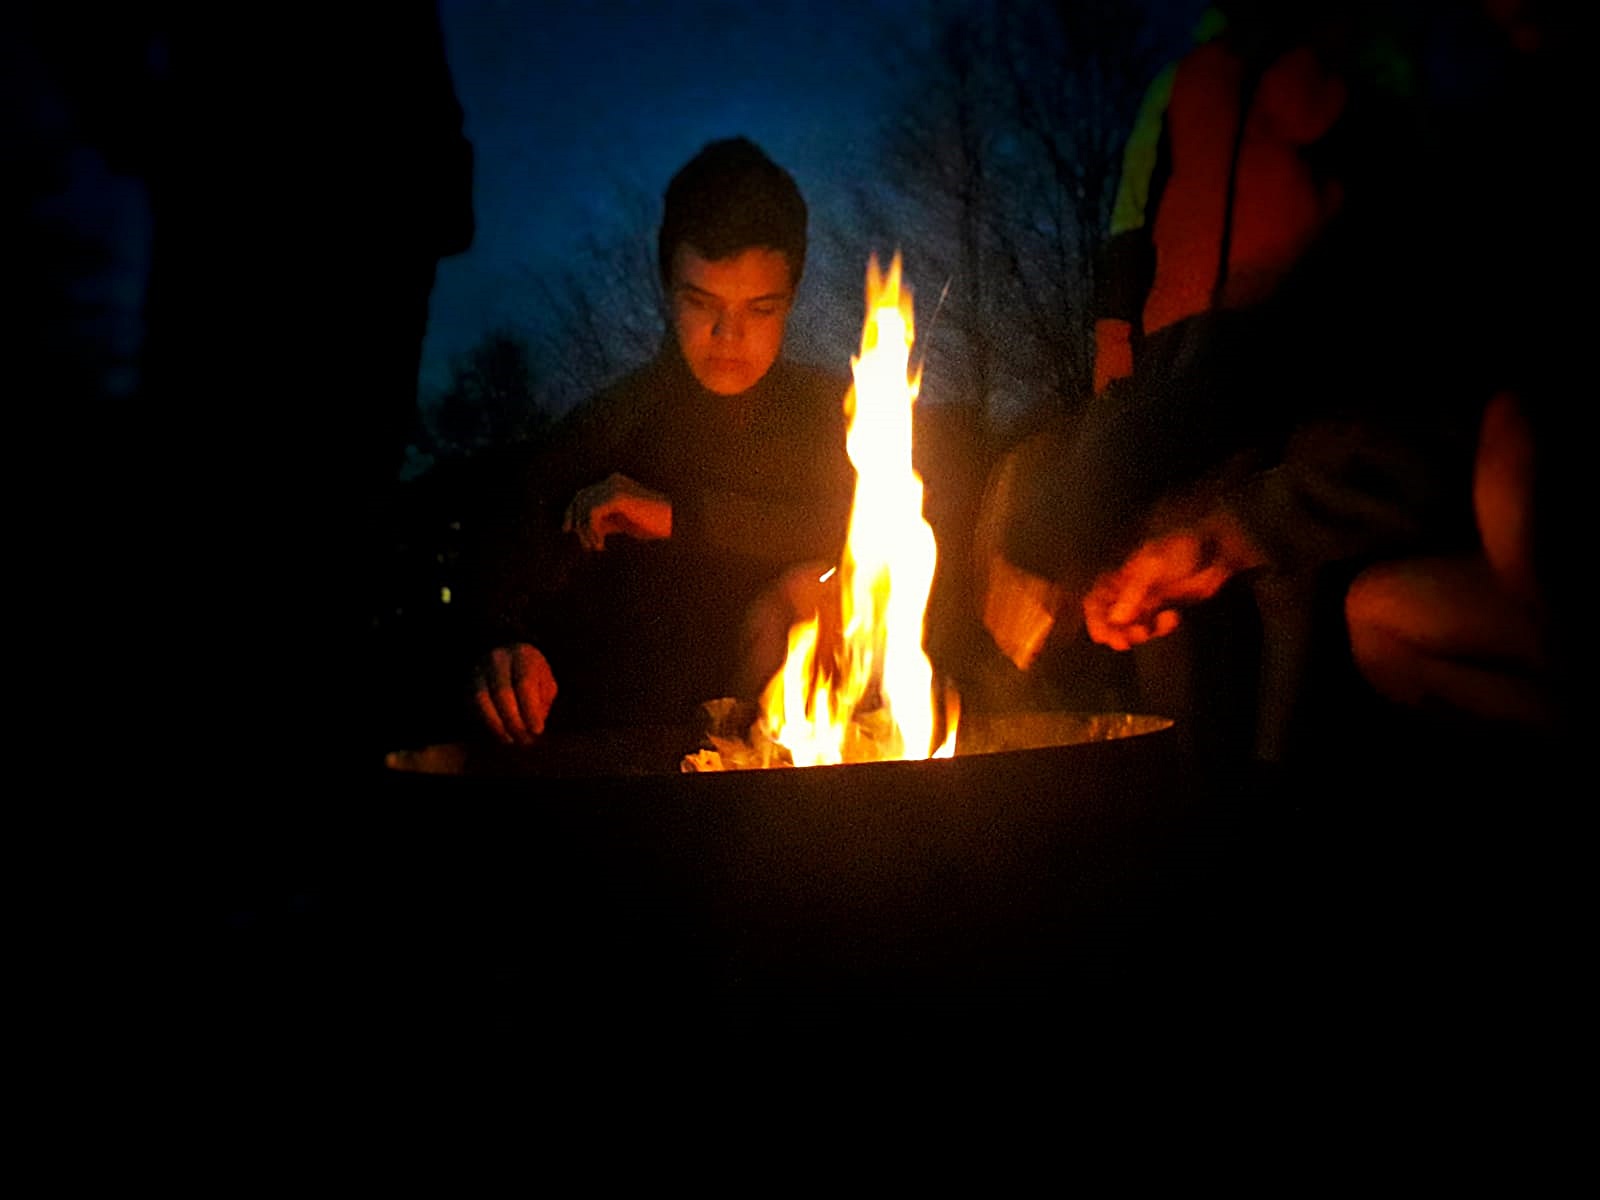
514,689
617,505
1140,599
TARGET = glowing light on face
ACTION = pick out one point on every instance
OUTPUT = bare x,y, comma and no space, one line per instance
729,315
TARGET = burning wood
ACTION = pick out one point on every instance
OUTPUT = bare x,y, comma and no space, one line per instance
864,690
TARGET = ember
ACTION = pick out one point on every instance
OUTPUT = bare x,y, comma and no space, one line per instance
857,686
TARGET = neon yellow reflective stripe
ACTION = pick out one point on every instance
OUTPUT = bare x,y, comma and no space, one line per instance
1144,143
1139,156
1213,24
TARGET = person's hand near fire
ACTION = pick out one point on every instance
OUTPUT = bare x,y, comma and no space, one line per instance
514,688
1140,599
617,505
513,685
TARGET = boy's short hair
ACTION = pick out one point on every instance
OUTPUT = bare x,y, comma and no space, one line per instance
728,198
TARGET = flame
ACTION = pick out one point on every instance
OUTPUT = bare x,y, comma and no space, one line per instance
870,695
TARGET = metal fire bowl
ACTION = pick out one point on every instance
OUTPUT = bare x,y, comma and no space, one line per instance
630,752
1027,858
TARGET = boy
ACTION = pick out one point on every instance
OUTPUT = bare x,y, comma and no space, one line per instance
689,492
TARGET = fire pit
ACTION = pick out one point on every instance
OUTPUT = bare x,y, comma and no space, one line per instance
1025,858
597,755
891,839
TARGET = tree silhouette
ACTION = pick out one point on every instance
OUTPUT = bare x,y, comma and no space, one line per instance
1000,164
601,315
492,398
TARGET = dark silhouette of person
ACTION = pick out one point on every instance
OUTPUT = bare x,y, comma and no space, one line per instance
303,168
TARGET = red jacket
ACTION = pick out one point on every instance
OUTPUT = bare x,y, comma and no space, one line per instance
1224,178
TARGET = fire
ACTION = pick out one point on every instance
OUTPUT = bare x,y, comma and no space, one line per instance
865,691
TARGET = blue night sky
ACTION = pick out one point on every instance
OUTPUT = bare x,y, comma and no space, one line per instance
572,107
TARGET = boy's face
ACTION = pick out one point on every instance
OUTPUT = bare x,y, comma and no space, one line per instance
729,315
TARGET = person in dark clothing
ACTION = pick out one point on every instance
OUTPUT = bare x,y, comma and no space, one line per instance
215,502
1235,170
1426,478
1489,633
671,527
1294,440
299,191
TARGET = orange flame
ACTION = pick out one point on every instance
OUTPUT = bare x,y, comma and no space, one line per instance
871,696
